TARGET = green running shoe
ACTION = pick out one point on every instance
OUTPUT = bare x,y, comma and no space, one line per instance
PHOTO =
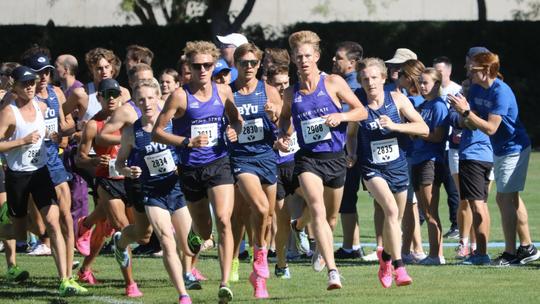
194,242
16,274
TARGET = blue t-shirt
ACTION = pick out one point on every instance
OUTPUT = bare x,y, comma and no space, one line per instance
435,114
498,99
475,145
352,82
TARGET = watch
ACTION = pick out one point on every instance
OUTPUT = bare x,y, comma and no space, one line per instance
185,142
466,113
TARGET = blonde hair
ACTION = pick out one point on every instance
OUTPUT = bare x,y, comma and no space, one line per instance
297,39
147,83
372,61
436,76
247,48
200,47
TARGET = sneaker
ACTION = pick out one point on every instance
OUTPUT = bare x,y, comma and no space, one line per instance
452,233
462,251
401,277
4,217
282,273
198,275
194,242
158,254
87,277
1,246
334,280
527,254
272,255
121,255
431,261
16,275
234,277
385,272
244,255
75,265
413,257
505,259
66,289
372,257
260,263
191,282
300,238
184,299
317,262
477,259
259,286
82,240
40,250
225,294
346,254
78,288
132,291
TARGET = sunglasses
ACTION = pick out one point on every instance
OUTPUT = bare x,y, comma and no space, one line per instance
108,94
246,63
477,68
199,66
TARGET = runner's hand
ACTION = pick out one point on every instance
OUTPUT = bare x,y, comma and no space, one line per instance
333,120
31,138
199,141
231,134
283,143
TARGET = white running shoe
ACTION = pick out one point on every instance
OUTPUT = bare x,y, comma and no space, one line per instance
372,257
317,261
40,250
334,280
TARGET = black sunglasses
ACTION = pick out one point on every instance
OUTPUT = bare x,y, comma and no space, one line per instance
199,66
246,63
110,94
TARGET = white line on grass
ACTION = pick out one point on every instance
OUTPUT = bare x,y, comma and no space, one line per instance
101,299
445,244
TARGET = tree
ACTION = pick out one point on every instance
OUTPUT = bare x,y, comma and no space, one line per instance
482,10
183,11
531,12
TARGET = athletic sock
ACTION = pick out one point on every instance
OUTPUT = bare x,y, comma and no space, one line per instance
386,257
398,263
356,247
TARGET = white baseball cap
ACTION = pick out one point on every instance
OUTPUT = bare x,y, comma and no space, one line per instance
402,55
234,39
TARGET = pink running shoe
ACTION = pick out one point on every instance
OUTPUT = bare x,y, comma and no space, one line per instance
84,234
184,299
462,251
87,277
402,278
198,275
260,263
132,291
259,286
385,270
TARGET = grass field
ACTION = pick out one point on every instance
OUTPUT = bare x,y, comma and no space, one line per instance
445,284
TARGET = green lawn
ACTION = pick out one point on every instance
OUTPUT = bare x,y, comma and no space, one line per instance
445,284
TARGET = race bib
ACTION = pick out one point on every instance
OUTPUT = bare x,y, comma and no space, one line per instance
383,151
314,130
160,163
252,130
31,156
210,129
51,126
112,169
293,146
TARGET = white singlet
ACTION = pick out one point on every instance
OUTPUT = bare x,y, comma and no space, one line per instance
93,103
29,157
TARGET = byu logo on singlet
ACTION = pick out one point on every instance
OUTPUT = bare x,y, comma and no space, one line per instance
155,147
374,125
50,113
248,109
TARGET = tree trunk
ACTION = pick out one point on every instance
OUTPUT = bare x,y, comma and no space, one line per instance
482,10
218,12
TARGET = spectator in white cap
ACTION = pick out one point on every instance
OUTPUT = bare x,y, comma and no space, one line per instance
228,45
394,65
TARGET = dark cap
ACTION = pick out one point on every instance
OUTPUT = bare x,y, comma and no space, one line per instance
476,50
39,62
108,84
23,73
